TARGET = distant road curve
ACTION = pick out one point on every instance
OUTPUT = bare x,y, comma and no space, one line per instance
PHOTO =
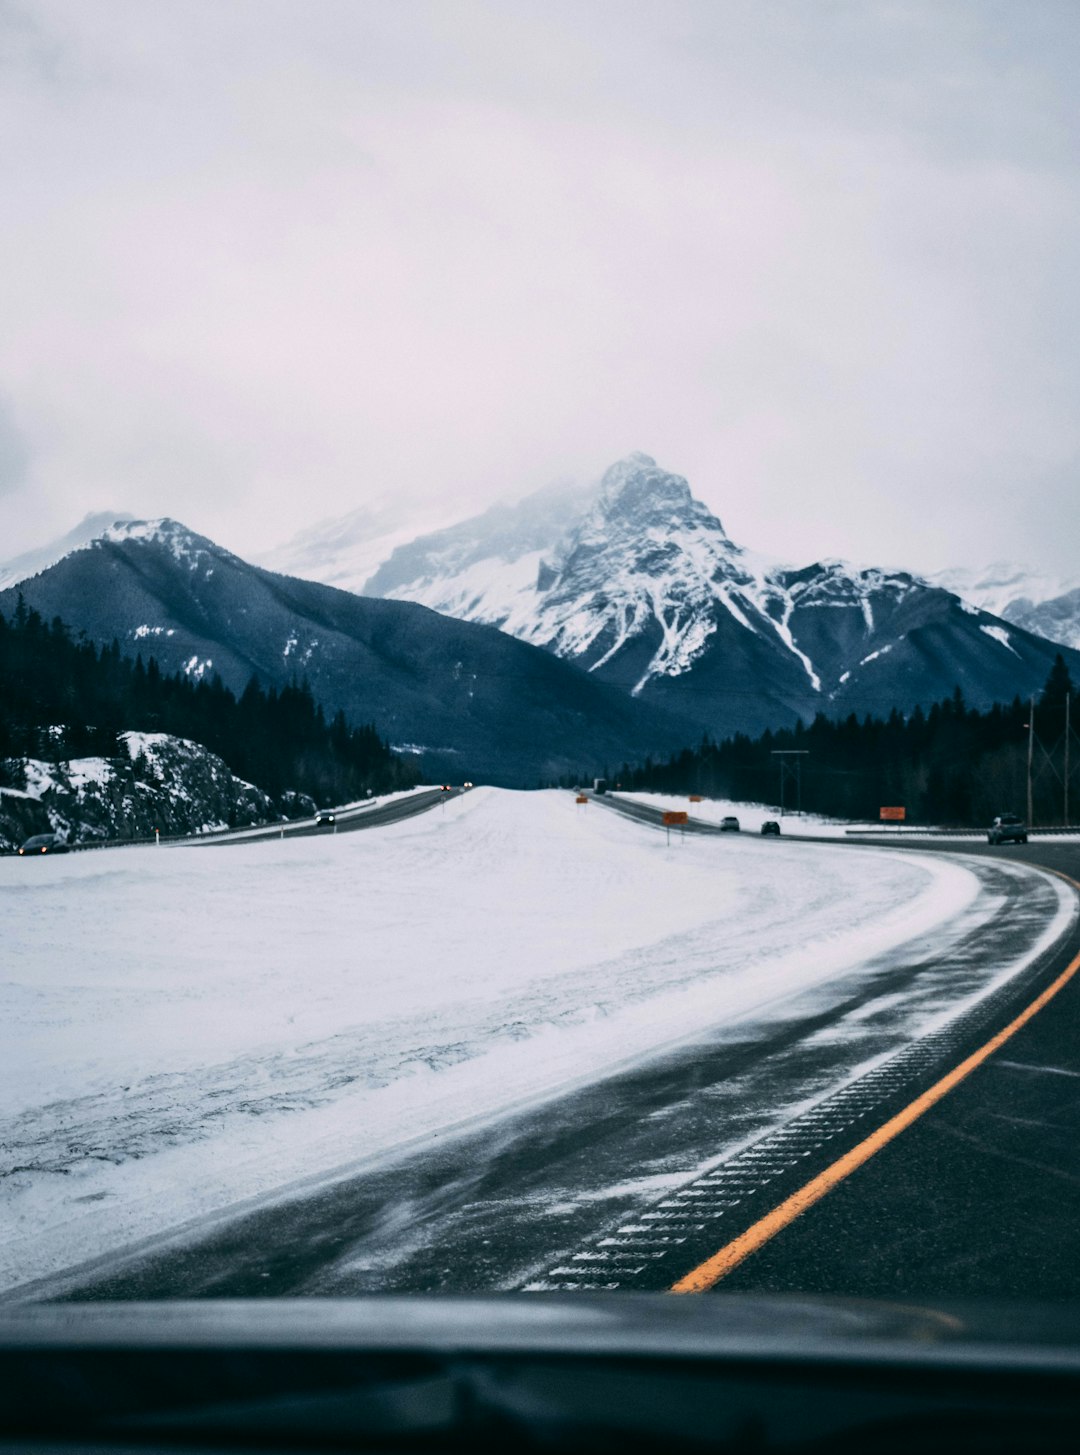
1051,852
355,816
347,820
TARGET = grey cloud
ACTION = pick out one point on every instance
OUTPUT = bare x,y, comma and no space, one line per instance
14,451
265,261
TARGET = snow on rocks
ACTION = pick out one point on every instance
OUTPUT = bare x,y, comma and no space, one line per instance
162,782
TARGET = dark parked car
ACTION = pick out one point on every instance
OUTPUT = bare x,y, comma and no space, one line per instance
1007,829
44,844
325,818
729,825
770,828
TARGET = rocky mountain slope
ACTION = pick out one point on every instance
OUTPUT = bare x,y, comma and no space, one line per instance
1049,606
639,583
470,701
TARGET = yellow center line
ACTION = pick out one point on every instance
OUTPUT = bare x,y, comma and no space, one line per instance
706,1275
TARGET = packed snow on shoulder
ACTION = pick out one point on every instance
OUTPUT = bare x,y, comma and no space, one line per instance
182,1029
750,815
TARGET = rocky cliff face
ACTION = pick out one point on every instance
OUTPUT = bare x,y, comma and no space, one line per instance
21,816
162,782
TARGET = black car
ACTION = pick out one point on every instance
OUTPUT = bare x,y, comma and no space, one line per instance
1007,829
770,829
44,844
325,818
729,825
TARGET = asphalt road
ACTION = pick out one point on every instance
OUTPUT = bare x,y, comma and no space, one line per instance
634,1180
348,820
981,1196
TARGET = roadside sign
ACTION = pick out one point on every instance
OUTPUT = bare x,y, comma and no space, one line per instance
581,798
893,815
695,798
675,818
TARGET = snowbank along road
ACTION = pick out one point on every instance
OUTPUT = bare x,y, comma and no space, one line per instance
516,1042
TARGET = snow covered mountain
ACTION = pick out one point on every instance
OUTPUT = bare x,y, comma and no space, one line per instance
630,578
638,582
1049,606
345,552
469,701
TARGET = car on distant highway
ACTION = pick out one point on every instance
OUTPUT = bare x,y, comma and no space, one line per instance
770,829
44,844
1007,829
325,818
729,824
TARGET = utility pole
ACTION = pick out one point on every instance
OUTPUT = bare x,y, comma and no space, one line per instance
793,770
1031,757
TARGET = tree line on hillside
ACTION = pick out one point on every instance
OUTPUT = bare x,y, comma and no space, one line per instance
950,765
61,698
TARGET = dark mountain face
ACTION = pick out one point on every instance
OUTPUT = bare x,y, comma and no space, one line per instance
471,701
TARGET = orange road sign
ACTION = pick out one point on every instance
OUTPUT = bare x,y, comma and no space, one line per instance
581,798
674,817
893,815
695,798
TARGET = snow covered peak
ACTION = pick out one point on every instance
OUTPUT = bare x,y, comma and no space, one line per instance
163,530
834,580
186,547
110,528
636,491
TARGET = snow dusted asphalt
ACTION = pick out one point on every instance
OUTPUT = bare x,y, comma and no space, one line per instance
182,1031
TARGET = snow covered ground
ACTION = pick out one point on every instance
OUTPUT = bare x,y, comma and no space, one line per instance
750,815
184,1030
803,825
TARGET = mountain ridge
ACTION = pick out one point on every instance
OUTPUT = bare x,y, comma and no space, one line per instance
641,585
634,581
465,699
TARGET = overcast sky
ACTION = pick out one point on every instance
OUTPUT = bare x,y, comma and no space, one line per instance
264,260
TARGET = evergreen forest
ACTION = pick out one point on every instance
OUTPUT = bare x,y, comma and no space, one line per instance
951,765
61,697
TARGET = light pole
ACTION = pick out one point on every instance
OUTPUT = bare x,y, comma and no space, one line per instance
793,770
